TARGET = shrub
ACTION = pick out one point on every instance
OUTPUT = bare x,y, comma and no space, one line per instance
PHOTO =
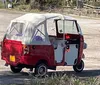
63,79
1,5
45,4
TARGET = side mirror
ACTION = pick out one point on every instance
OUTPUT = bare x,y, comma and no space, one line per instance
84,46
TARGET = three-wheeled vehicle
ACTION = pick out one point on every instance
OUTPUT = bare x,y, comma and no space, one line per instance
43,41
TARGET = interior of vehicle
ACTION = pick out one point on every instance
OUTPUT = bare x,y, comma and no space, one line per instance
66,37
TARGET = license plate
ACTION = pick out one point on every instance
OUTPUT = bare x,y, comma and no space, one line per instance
12,58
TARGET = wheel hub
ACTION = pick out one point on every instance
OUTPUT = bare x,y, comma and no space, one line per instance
42,70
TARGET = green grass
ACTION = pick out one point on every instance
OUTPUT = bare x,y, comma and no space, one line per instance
1,4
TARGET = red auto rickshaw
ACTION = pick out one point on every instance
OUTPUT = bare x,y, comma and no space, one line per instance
43,41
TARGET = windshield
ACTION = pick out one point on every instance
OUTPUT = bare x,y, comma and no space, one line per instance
67,27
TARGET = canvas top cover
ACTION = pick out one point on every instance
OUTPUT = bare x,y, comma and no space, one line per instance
31,28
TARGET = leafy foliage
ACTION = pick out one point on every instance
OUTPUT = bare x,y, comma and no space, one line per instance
52,4
45,4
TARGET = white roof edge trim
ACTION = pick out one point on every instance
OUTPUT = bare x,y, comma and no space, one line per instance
35,17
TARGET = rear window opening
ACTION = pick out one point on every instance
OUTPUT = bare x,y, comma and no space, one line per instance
16,30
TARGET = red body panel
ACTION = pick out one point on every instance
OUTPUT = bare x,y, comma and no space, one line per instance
81,49
35,54
10,47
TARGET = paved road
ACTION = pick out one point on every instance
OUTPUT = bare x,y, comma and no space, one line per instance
91,31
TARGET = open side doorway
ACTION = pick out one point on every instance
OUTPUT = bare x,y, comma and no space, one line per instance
56,42
67,31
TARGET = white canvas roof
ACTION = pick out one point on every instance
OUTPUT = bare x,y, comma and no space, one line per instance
36,18
25,27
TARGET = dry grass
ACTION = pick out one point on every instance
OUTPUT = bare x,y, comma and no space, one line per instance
63,79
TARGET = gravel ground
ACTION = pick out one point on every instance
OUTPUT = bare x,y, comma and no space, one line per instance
91,31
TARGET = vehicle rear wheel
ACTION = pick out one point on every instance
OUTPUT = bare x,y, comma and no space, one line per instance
41,69
79,67
15,69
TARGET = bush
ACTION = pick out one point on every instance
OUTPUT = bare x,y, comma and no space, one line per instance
1,5
23,7
45,4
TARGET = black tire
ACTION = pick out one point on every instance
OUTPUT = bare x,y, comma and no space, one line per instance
41,70
15,69
79,67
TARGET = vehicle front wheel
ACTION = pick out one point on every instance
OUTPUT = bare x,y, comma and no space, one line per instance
41,69
79,67
15,69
